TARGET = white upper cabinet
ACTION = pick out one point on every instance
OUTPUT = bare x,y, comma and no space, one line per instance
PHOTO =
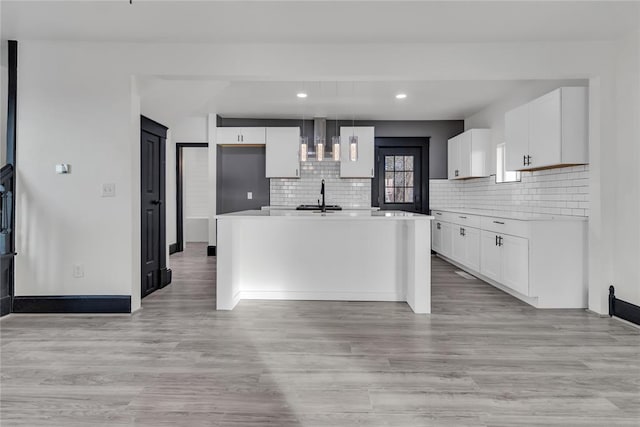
282,152
231,135
469,154
549,131
363,167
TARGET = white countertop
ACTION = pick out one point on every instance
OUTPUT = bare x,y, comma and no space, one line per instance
342,215
522,216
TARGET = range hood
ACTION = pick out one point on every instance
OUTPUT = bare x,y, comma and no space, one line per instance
320,133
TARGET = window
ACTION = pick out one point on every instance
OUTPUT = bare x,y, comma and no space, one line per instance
503,175
398,179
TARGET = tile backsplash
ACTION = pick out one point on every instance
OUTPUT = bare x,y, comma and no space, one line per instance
346,192
562,191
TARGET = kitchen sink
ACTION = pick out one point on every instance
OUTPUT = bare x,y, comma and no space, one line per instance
317,208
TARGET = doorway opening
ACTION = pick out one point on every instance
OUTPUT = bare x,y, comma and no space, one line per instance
401,181
192,186
153,139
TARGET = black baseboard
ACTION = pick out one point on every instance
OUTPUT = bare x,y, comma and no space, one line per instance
5,305
165,276
211,251
173,248
623,309
73,304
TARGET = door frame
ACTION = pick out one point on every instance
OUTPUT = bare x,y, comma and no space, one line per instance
9,178
151,126
397,142
179,245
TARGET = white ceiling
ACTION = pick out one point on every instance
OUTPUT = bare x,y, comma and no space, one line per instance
316,21
433,100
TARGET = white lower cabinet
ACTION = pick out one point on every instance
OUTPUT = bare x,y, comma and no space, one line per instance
505,259
436,236
465,246
515,263
541,261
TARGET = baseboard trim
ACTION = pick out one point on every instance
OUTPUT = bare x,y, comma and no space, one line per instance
72,304
173,248
623,309
211,250
165,276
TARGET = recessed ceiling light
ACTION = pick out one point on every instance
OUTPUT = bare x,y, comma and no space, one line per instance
401,96
301,95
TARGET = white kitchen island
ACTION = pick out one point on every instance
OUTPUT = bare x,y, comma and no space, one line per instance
344,255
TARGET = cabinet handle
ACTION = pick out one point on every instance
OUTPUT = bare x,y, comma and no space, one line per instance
463,217
496,240
461,232
438,226
372,172
500,241
524,160
296,172
456,174
528,160
238,138
242,138
498,222
438,213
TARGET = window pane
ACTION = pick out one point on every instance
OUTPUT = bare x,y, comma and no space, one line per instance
388,163
388,179
408,179
408,163
399,179
388,195
408,195
399,195
399,163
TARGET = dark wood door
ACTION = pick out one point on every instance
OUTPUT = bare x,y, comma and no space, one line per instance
399,180
152,183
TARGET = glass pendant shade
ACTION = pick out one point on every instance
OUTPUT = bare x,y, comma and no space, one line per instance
353,148
304,149
319,149
335,141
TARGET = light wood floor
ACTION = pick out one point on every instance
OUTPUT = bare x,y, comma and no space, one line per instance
481,359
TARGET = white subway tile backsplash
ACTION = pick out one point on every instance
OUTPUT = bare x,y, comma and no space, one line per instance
563,191
346,192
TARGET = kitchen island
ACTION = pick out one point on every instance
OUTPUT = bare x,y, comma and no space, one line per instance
345,255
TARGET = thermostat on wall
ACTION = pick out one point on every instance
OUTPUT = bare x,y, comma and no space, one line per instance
63,168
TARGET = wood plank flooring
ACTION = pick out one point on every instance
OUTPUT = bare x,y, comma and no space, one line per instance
482,358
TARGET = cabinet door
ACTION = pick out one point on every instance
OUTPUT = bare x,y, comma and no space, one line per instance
446,235
228,135
436,236
253,136
516,137
282,148
491,260
472,244
515,263
363,167
545,131
464,155
458,244
453,152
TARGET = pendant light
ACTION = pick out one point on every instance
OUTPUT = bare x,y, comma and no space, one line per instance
353,139
335,139
304,144
319,149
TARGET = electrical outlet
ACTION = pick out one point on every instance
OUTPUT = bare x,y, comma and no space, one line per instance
249,195
109,190
78,271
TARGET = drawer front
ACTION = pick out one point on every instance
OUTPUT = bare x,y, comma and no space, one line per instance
464,219
506,226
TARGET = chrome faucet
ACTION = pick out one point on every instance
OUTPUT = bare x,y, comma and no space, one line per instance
323,207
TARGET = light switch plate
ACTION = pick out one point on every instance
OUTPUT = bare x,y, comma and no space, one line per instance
63,168
249,195
108,190
78,271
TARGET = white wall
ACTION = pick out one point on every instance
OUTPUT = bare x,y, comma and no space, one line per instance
196,194
4,59
76,102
